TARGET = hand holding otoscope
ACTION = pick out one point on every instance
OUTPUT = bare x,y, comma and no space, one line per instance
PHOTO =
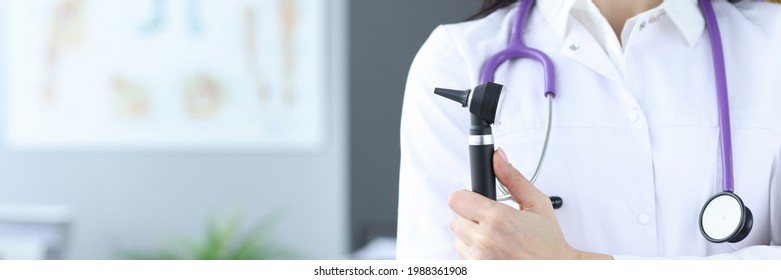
484,104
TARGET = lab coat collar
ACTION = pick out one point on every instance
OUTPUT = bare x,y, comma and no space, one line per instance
687,17
685,14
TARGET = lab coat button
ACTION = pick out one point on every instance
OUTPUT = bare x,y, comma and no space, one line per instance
634,116
643,219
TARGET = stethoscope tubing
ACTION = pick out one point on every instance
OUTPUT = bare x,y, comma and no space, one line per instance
516,48
506,193
722,96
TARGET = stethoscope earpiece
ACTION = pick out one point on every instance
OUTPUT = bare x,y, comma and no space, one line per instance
724,218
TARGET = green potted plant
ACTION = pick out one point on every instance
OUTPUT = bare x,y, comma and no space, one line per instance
222,240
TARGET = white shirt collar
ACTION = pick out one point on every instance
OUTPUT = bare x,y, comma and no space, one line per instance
685,14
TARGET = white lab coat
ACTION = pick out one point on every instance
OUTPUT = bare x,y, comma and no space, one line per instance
634,149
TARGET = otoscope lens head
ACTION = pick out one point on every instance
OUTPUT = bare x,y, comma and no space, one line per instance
499,112
485,101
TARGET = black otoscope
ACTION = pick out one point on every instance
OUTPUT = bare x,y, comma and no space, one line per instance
483,103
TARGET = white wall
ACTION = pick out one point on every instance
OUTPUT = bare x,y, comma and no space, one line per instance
143,199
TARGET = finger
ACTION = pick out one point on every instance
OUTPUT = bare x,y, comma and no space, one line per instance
524,193
471,205
465,229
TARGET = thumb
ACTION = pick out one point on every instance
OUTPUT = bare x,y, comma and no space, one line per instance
525,194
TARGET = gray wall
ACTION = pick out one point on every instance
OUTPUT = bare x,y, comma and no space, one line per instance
384,38
145,199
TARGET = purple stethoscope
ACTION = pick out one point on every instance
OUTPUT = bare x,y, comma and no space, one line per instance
723,218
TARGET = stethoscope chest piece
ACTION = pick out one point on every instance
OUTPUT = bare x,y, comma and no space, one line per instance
725,218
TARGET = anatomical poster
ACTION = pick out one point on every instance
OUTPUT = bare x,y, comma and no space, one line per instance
166,74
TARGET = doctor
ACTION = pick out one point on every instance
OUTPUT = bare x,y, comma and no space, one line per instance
634,148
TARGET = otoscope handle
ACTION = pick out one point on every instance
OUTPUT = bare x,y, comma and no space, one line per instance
481,157
482,167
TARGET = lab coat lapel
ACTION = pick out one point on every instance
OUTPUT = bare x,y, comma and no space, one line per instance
580,45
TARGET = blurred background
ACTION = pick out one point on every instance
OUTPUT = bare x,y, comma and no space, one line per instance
205,129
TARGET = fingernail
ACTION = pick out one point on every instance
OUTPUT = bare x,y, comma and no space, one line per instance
503,156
